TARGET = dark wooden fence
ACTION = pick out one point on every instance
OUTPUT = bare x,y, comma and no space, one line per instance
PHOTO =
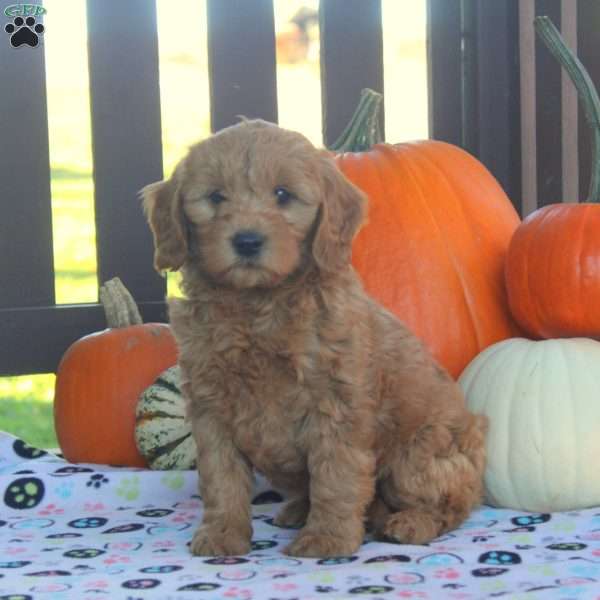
493,91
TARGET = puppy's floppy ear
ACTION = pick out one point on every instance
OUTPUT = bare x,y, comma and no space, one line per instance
342,212
163,206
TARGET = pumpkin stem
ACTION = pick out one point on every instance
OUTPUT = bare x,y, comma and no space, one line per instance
363,130
120,308
585,90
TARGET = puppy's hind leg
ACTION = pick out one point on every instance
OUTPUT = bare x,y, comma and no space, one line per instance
295,511
431,485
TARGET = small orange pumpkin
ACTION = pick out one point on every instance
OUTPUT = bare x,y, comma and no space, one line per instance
553,261
553,272
434,246
99,381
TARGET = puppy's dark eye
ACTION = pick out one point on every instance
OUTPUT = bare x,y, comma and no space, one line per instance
283,196
216,198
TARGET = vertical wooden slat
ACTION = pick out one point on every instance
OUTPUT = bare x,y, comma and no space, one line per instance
26,263
549,113
241,58
445,70
126,134
569,149
474,83
498,126
469,77
588,34
351,59
528,106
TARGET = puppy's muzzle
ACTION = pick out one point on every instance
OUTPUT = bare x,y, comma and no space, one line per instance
248,244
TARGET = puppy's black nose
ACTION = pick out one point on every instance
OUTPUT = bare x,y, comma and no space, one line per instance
247,243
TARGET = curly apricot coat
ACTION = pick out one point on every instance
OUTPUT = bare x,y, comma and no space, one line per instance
290,368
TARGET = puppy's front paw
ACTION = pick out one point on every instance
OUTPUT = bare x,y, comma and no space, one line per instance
208,541
320,546
293,515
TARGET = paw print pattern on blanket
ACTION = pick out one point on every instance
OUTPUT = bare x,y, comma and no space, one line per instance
568,546
83,553
500,557
174,481
534,519
140,584
65,489
488,572
97,480
155,513
129,488
24,493
20,448
88,522
371,589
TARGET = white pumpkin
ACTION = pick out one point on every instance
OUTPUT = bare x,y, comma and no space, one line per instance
542,399
162,433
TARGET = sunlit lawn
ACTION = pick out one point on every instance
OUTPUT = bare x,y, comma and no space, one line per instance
26,409
26,402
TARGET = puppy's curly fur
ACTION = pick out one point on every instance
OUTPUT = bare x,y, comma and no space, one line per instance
290,368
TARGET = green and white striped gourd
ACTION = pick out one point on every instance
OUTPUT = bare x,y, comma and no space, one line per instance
162,433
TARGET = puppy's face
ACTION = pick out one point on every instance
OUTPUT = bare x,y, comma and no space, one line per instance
249,206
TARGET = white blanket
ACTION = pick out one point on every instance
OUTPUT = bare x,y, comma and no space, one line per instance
87,531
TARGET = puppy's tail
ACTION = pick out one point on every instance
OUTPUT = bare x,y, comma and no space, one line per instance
471,440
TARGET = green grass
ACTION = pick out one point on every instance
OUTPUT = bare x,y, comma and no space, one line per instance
26,409
30,420
74,236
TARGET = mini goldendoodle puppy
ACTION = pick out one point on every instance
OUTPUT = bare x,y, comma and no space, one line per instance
290,368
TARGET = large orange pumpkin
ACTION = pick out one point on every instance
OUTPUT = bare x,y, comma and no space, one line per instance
553,262
438,229
98,384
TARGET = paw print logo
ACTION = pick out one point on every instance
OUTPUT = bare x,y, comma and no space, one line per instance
24,32
97,480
